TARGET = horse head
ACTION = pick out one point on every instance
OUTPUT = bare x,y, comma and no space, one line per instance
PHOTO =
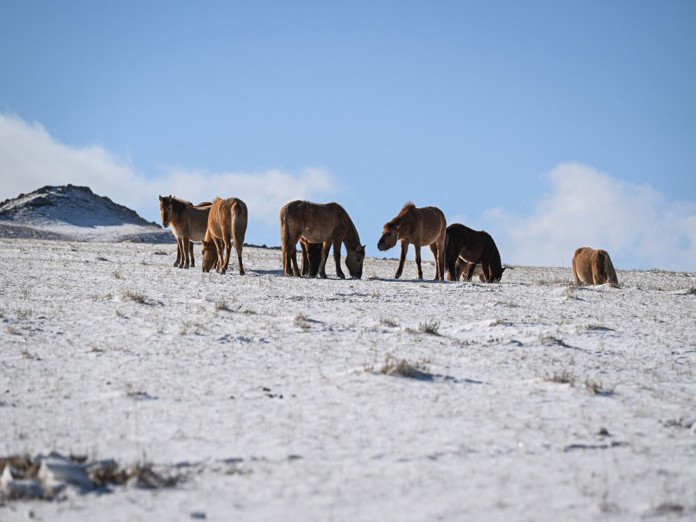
390,235
165,210
354,261
209,255
497,275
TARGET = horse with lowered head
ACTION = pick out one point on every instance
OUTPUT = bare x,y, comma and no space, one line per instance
593,267
328,224
188,222
419,226
466,248
227,223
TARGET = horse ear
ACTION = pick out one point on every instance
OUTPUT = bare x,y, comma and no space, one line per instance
161,198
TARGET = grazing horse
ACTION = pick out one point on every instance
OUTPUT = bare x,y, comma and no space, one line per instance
593,267
227,222
472,247
420,226
328,224
189,223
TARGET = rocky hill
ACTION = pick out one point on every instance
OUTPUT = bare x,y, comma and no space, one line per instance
75,213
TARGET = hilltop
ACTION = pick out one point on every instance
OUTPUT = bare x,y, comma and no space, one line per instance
74,213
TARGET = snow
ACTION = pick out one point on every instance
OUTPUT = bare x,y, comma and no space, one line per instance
280,398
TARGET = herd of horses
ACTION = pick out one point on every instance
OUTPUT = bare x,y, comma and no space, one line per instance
459,251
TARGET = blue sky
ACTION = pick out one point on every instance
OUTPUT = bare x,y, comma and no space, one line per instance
550,124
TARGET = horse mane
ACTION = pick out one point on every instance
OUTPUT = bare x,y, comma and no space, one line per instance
178,204
408,206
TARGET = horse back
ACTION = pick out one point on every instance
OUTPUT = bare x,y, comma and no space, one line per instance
316,222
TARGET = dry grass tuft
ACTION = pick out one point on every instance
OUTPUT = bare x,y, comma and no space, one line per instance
403,368
429,327
129,295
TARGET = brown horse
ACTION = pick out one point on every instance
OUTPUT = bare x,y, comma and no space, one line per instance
189,223
468,247
420,226
593,267
328,224
227,222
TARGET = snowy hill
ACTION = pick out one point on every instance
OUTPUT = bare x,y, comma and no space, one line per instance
75,213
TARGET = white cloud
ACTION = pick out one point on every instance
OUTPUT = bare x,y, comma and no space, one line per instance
31,158
634,223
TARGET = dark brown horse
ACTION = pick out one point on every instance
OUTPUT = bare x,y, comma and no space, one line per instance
188,222
328,224
593,267
465,248
227,223
419,226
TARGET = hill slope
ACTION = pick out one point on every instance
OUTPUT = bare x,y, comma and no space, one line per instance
75,213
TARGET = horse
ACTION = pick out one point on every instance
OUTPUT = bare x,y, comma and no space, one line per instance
419,226
189,223
593,267
468,247
227,222
328,224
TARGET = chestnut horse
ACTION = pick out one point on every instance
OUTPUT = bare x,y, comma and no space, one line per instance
593,267
328,224
420,226
227,222
468,247
189,223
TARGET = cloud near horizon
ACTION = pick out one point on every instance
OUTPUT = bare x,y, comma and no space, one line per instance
31,158
585,207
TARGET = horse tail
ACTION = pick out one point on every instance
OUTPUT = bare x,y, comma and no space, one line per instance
240,218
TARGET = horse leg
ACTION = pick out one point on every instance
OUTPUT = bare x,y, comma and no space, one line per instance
193,264
486,271
324,254
220,250
436,255
178,254
238,246
305,258
228,250
418,260
337,258
458,268
184,253
440,259
469,272
294,270
402,259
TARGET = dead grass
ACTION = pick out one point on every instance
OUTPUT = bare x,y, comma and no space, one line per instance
429,327
389,322
402,368
129,295
101,473
565,377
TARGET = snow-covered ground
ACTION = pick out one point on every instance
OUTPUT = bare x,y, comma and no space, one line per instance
293,399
